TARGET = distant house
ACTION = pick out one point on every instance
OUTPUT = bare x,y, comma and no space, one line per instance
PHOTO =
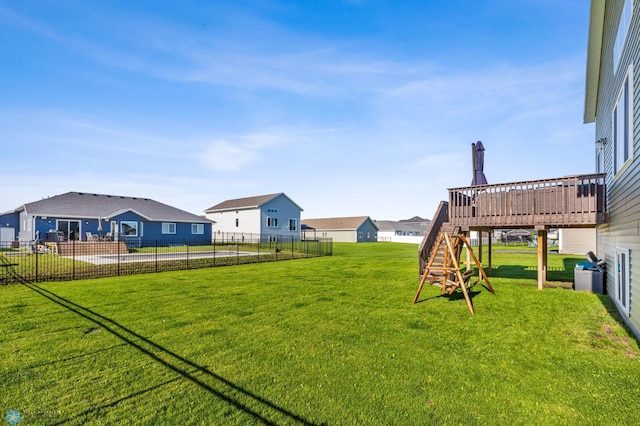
612,101
273,216
576,240
77,216
344,229
403,231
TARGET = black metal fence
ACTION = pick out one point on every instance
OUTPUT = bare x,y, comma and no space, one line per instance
38,261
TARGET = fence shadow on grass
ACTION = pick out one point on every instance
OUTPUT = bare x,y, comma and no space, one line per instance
229,392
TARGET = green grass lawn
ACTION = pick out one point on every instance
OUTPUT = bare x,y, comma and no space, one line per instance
329,340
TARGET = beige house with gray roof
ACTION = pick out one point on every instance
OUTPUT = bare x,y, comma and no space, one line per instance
356,229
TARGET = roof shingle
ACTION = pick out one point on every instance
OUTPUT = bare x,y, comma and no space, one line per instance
86,205
336,223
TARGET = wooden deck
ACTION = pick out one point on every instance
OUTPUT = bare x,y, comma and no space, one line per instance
570,201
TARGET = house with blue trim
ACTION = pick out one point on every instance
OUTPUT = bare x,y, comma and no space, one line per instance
273,217
79,216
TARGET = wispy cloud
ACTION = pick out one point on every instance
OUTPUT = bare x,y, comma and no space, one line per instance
239,152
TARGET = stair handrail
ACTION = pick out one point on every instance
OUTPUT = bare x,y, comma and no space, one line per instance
430,236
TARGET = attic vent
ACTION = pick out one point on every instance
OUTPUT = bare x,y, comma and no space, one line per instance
95,195
80,193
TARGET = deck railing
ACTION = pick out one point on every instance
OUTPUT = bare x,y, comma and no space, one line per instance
569,201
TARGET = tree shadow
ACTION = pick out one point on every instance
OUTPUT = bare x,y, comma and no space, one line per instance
236,396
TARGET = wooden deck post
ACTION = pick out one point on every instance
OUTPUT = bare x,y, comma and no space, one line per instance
488,268
542,257
480,249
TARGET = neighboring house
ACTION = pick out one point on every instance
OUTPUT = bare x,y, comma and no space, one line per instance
399,232
75,216
344,229
576,240
612,100
272,216
419,224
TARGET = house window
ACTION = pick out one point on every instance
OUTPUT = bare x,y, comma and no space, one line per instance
197,228
360,235
622,279
237,222
69,229
272,222
368,235
621,36
293,225
168,228
129,228
622,128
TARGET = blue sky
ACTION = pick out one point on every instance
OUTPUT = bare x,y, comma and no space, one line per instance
349,107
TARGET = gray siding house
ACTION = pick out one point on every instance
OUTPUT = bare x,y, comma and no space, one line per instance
356,229
272,217
612,101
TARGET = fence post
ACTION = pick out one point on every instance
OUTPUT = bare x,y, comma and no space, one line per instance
73,256
36,252
214,250
156,263
118,245
187,243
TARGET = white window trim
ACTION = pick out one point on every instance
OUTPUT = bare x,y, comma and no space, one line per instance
621,33
295,222
619,168
166,228
619,289
272,222
198,228
128,222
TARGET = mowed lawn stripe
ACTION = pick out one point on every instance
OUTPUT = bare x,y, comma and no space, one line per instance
332,340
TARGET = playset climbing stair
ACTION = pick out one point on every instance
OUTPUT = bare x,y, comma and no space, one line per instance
440,258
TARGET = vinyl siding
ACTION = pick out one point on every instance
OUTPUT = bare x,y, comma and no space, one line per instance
254,220
248,221
341,236
577,240
285,210
623,189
